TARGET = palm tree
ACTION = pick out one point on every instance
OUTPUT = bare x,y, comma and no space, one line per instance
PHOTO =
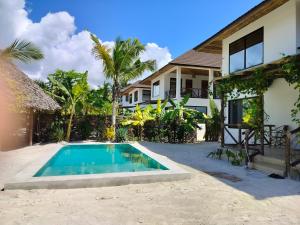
121,63
23,51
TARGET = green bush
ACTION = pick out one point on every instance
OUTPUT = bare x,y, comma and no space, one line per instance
121,134
57,132
84,129
235,158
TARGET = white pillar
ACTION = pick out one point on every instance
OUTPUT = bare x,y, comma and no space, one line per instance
210,79
178,82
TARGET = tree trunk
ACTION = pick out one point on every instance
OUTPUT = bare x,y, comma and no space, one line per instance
141,133
69,126
115,97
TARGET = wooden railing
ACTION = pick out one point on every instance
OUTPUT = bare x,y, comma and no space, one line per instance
288,150
192,92
252,134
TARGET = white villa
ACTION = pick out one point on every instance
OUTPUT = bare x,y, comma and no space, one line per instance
134,94
257,39
189,74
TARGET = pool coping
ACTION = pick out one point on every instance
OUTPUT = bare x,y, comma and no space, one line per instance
25,180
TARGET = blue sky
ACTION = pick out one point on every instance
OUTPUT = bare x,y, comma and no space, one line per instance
176,24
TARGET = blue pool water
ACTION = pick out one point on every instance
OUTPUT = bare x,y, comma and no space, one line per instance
95,159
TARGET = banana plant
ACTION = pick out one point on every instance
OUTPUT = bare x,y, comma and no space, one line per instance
69,97
181,119
138,118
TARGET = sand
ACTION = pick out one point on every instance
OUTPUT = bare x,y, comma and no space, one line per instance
207,198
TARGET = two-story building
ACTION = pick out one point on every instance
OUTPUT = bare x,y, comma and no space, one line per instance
259,39
189,74
134,94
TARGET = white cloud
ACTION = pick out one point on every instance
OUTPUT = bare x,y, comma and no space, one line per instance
63,47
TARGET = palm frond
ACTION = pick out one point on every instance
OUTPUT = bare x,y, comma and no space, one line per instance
101,52
22,50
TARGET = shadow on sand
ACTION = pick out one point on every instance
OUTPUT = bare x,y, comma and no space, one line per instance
253,182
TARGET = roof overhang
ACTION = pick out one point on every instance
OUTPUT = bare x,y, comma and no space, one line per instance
130,88
185,69
214,43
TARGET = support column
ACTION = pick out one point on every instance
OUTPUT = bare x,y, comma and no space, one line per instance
30,127
262,125
178,82
210,81
222,120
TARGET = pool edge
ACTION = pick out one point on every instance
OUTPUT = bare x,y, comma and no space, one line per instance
25,180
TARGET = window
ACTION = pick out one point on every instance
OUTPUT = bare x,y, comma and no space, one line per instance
235,111
156,89
146,95
247,51
136,94
239,108
126,98
130,98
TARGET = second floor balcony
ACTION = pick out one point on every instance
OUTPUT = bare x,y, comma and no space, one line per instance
192,92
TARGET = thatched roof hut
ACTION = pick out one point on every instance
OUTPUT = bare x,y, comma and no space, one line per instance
26,91
20,99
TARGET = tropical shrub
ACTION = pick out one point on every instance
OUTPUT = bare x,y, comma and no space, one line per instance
122,134
83,128
235,158
138,118
181,122
57,132
213,122
110,133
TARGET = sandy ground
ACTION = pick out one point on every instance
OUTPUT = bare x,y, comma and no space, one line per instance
204,199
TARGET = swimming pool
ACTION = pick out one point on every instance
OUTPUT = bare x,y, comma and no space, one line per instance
98,159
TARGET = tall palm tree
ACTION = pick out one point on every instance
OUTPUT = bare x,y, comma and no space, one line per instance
21,50
121,63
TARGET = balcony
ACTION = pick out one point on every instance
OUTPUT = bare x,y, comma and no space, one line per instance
192,92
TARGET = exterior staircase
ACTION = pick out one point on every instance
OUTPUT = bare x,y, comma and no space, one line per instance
269,165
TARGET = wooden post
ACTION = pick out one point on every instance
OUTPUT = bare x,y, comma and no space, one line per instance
262,125
270,134
30,127
240,137
222,120
178,83
287,154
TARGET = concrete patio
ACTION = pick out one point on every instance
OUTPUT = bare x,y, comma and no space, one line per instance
217,193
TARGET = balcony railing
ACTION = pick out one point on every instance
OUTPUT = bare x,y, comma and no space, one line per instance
192,92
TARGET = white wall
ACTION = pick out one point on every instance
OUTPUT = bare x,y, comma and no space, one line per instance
279,101
140,97
279,34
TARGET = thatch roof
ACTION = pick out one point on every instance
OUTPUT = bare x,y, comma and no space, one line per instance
15,84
